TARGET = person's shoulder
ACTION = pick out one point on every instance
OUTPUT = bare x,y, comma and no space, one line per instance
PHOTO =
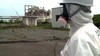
90,27
79,34
86,33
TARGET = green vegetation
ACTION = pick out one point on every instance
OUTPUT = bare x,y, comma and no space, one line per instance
1,21
10,22
48,25
96,20
44,24
41,25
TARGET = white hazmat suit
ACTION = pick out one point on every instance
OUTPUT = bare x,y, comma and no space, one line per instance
85,36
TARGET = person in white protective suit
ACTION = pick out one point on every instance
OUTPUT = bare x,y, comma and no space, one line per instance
84,35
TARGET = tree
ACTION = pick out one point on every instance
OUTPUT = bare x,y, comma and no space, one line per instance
1,21
96,20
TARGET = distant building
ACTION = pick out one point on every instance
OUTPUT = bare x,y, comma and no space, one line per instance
31,13
13,18
30,20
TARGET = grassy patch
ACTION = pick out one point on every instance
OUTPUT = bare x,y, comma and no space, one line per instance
7,26
39,26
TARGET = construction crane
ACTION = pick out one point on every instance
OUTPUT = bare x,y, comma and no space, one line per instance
20,18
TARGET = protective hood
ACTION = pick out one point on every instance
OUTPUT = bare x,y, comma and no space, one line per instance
79,20
81,2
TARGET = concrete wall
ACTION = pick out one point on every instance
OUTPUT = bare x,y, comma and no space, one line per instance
25,21
56,11
30,21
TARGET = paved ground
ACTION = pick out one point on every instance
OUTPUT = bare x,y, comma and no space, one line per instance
45,48
40,42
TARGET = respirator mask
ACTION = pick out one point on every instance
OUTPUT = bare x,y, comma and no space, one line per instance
68,12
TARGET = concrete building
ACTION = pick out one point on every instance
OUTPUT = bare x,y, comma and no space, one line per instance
30,20
55,14
31,13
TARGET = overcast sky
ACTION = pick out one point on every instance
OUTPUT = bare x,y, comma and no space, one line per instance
8,7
